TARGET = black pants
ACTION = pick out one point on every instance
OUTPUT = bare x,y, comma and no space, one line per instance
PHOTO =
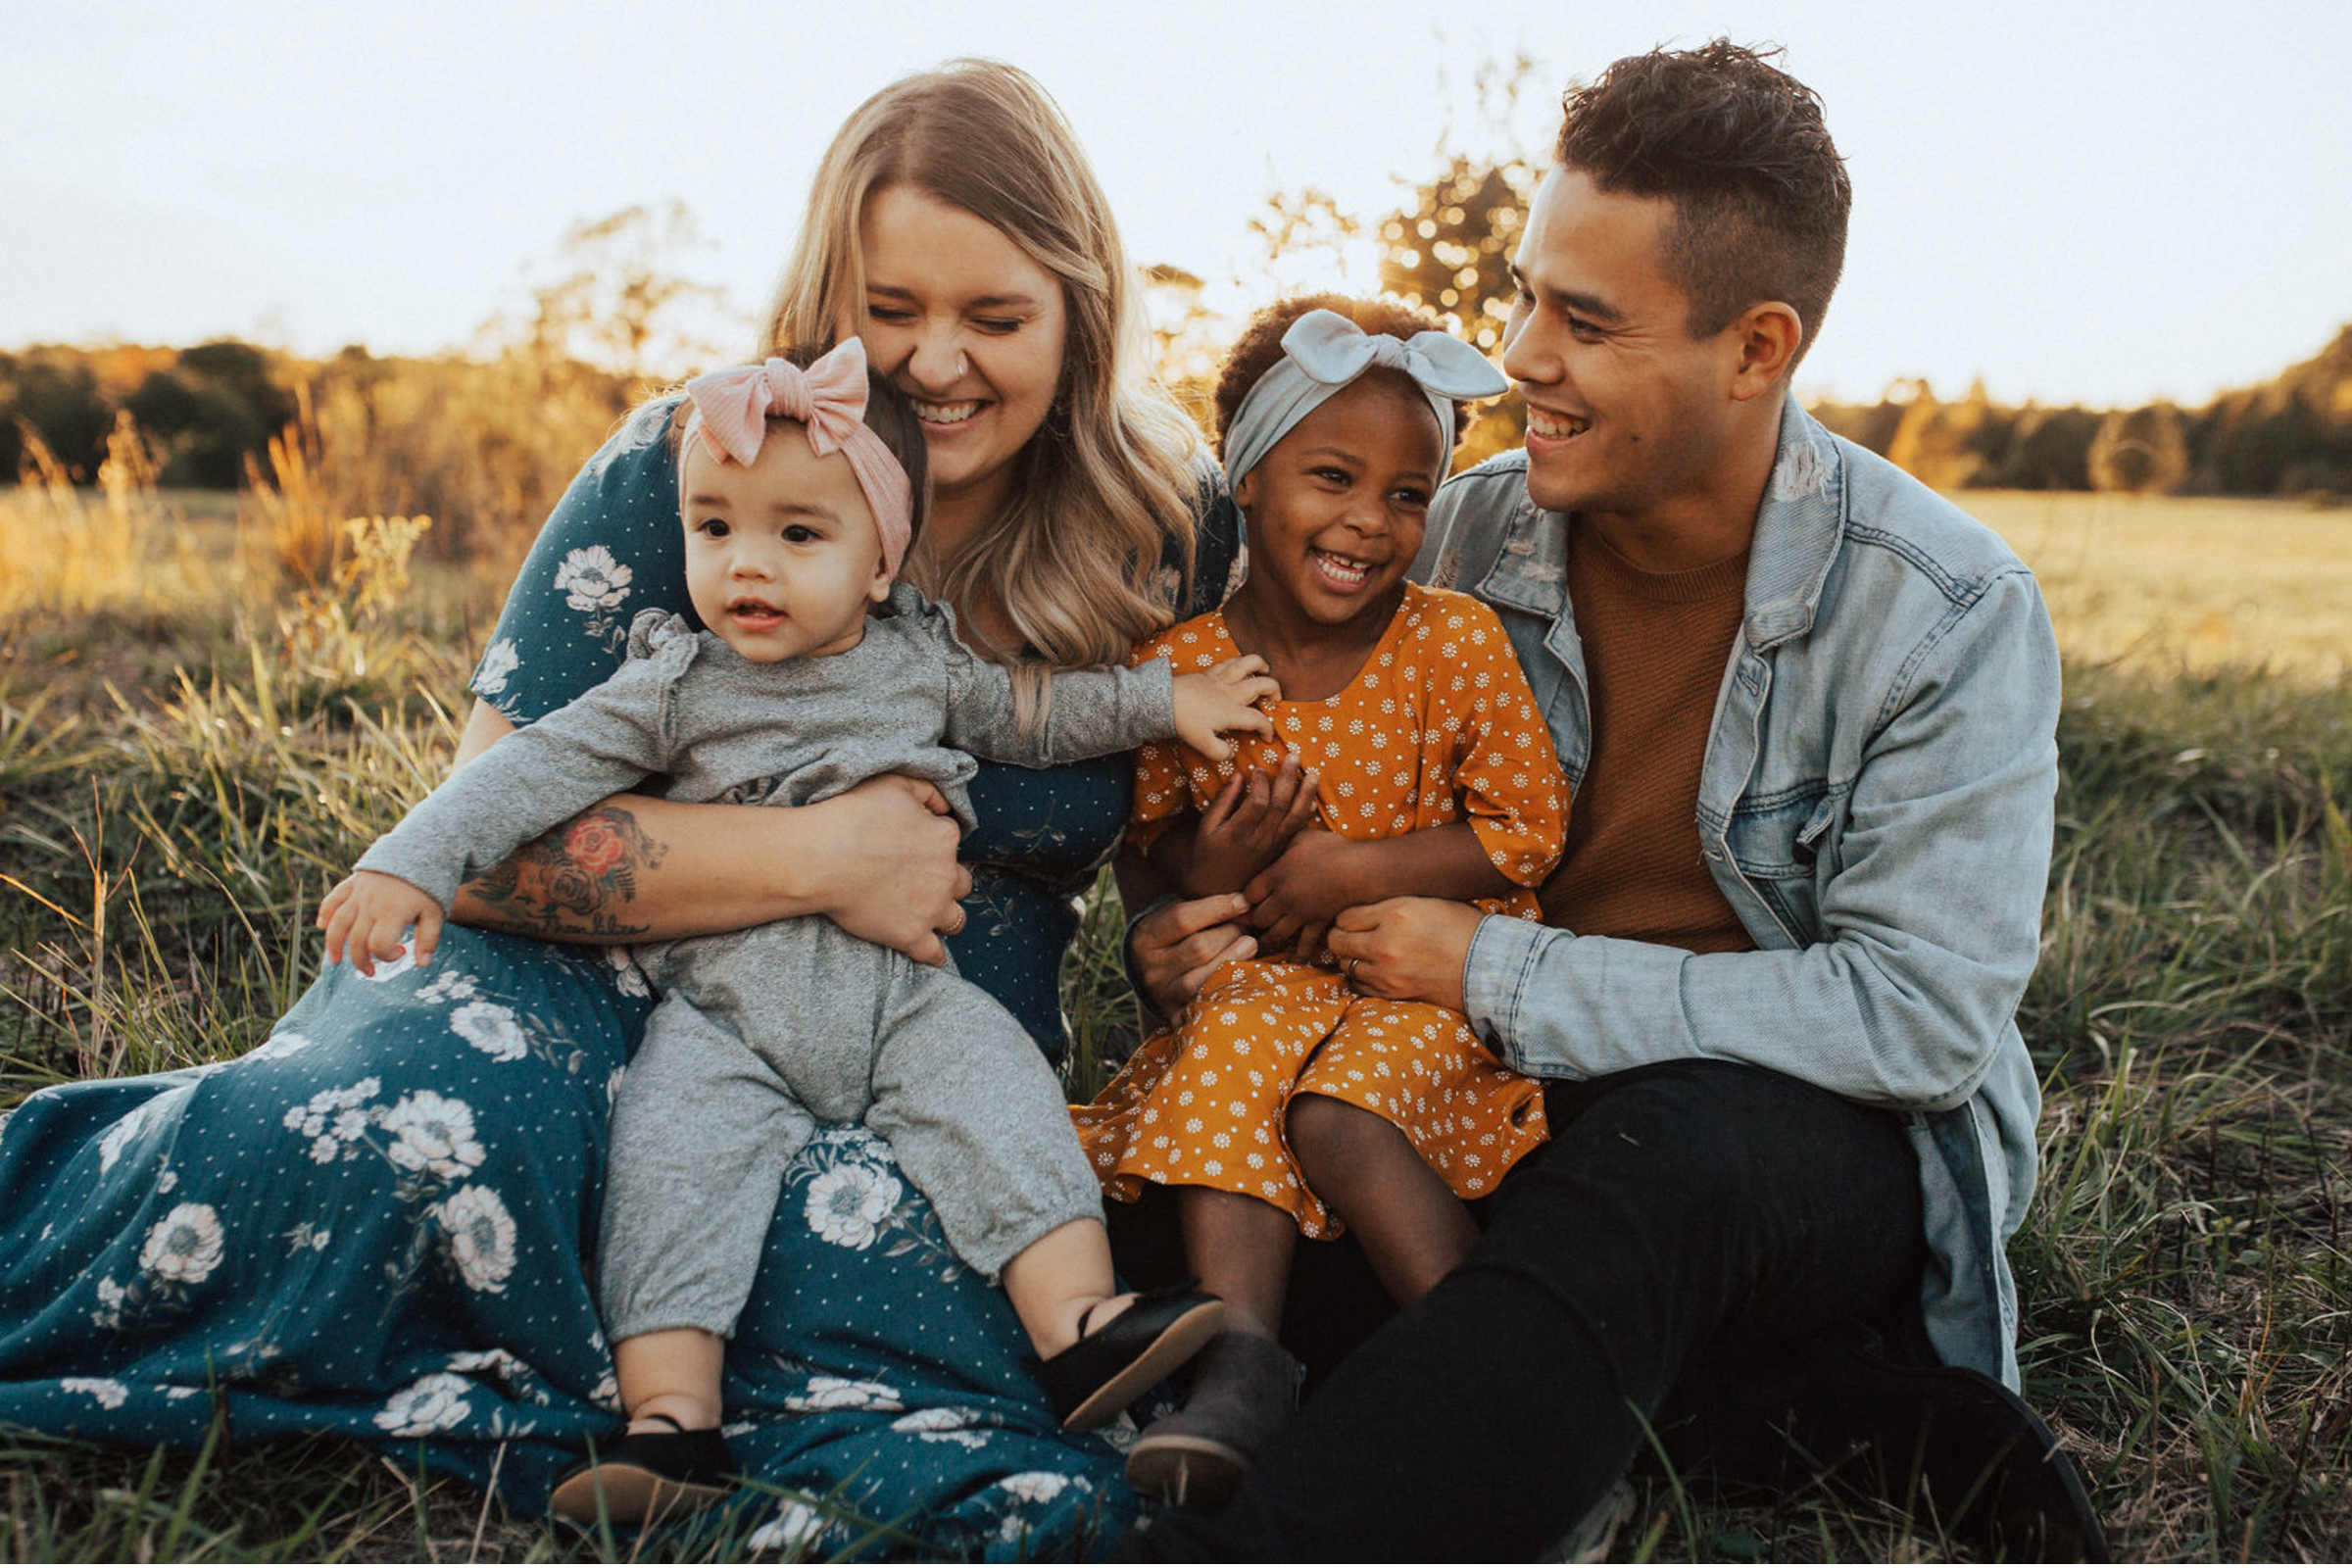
1685,1219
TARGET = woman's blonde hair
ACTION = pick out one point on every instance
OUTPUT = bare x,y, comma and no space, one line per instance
1110,479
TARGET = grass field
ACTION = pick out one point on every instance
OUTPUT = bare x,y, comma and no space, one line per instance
2162,584
195,737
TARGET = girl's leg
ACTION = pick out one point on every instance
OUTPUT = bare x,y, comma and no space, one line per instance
1240,1248
1412,1229
671,1376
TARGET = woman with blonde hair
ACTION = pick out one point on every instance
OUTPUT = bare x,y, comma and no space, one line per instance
380,1222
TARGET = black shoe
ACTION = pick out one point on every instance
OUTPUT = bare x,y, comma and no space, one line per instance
1951,1446
1109,1368
1245,1392
637,1477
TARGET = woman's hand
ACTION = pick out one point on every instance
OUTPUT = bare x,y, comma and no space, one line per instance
1222,699
1408,950
368,912
1178,946
887,869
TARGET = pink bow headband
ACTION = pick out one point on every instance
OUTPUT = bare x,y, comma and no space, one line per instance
730,415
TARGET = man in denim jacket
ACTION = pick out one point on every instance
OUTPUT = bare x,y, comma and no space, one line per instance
1808,708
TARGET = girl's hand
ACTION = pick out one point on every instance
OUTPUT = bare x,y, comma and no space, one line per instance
889,871
368,914
1318,874
1251,820
1408,950
1178,946
1214,701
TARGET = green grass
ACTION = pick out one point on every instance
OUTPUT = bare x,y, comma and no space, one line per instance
179,782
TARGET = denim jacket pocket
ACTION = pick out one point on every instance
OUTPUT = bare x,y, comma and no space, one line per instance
1779,842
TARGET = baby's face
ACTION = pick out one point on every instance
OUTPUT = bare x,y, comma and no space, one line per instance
782,557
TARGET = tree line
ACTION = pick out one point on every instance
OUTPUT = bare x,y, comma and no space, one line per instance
462,438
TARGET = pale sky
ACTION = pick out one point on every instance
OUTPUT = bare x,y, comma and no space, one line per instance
2100,202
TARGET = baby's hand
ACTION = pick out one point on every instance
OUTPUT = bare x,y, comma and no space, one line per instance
1220,699
367,914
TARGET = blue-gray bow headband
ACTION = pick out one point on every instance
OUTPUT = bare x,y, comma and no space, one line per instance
1323,352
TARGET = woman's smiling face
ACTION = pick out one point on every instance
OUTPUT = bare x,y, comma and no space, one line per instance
967,325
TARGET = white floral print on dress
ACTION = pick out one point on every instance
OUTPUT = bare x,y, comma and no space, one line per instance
432,1133
434,1402
109,1147
845,1394
491,1029
109,1393
793,1531
498,661
849,1202
185,1245
481,1237
590,579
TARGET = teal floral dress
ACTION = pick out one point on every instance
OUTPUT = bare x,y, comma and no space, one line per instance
381,1221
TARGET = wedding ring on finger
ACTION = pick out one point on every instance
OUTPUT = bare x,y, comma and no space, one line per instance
960,918
1348,970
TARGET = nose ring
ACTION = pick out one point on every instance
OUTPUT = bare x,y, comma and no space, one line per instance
964,366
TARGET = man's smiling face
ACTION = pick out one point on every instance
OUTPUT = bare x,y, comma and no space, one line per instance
1626,411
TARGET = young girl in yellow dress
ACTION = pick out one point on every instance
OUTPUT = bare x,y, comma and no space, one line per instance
1410,758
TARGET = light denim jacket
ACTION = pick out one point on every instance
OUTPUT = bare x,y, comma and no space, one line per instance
1876,803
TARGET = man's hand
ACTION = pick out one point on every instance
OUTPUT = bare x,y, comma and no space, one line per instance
1408,950
1251,820
367,914
1178,946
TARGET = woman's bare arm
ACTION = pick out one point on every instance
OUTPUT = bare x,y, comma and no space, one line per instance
878,859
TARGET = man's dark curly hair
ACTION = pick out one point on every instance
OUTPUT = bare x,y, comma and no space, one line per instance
1260,345
1739,148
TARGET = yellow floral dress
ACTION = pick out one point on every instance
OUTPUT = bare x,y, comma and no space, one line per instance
1438,726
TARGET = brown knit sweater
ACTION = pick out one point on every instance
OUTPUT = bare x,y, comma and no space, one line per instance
1655,646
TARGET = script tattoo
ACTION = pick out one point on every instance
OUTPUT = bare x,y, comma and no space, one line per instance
573,880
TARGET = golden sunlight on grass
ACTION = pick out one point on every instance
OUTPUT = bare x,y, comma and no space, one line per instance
2160,583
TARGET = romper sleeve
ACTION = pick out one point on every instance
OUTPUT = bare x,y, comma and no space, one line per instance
1160,792
603,741
1506,776
1088,712
611,547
